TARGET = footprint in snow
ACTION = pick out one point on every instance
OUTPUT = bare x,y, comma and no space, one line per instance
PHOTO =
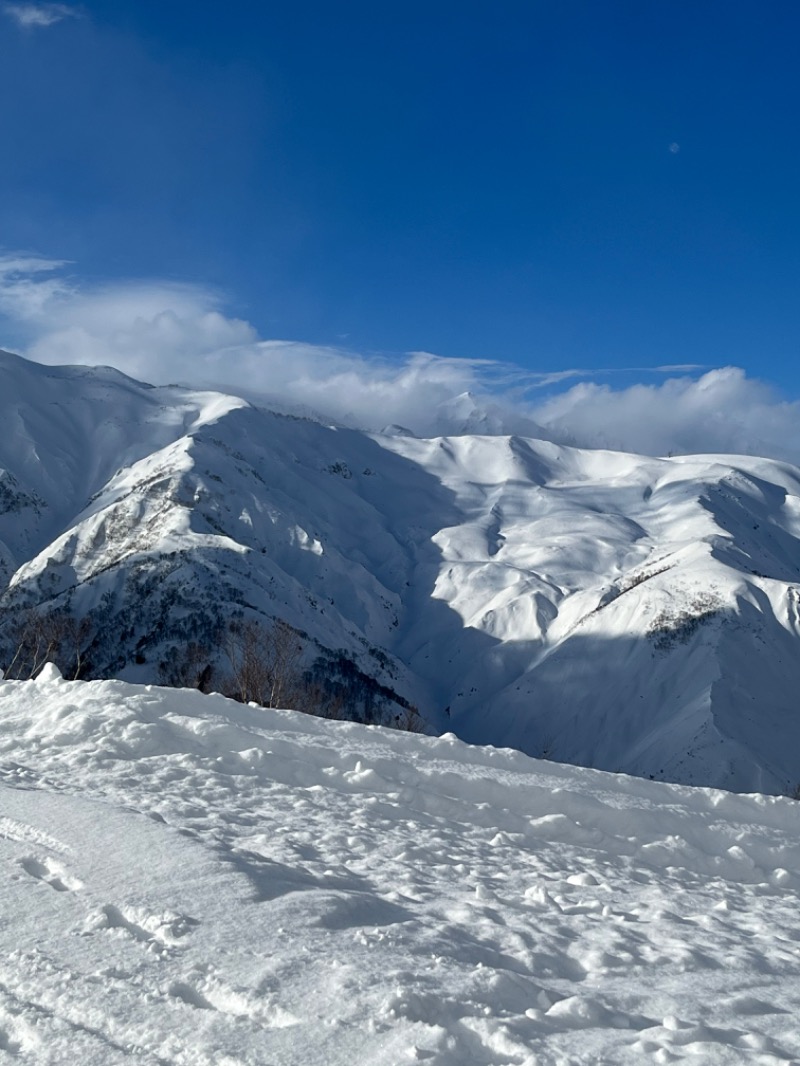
217,996
190,996
50,873
156,932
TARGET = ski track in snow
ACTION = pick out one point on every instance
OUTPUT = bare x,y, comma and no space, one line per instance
195,883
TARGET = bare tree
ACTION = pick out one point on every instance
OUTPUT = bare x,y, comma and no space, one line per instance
38,638
284,652
264,663
249,679
187,666
311,698
410,721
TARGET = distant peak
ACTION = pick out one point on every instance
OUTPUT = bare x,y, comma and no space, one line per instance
20,363
396,431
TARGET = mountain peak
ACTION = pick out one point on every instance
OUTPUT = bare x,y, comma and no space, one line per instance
509,588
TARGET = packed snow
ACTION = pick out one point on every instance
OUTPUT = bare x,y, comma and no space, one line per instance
193,882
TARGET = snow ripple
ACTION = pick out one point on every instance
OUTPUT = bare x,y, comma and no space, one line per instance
194,882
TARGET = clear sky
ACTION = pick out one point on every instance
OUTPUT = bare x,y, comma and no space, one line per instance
587,183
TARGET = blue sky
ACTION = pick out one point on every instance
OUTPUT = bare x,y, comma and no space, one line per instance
595,185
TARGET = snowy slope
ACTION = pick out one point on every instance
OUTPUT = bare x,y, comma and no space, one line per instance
612,610
185,880
622,612
66,430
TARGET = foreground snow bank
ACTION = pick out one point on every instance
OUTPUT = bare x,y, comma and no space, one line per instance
188,881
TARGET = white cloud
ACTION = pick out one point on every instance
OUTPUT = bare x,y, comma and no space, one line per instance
29,285
169,332
721,411
155,330
32,15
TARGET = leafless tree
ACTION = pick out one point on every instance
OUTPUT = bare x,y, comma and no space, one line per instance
38,638
264,663
188,666
311,698
284,653
410,721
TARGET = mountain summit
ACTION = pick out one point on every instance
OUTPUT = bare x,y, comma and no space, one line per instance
618,611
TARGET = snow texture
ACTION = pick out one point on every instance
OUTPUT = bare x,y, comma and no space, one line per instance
188,881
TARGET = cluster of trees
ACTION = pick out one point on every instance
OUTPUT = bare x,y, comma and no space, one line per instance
37,638
265,664
249,661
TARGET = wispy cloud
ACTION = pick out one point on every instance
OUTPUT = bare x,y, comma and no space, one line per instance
544,379
163,331
30,286
33,15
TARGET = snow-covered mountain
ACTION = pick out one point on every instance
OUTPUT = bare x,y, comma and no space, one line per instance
619,611
190,881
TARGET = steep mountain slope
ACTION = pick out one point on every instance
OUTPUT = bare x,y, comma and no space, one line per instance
66,430
619,611
637,614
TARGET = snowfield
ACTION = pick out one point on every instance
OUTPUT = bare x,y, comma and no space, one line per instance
622,612
193,882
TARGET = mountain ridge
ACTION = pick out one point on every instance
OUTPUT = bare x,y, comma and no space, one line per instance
617,611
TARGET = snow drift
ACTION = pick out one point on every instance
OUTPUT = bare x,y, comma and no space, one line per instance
191,881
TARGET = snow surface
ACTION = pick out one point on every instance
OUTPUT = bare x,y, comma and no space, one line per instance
185,880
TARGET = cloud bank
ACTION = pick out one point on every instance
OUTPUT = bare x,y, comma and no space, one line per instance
32,15
166,332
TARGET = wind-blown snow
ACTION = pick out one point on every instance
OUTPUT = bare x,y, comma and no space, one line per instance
188,881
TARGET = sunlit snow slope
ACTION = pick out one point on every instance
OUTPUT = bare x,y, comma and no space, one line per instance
188,881
613,610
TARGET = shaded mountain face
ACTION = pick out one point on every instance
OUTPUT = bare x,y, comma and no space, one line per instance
617,611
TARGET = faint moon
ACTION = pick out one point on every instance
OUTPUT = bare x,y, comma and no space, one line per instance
674,148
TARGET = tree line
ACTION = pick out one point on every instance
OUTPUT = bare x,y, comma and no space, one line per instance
247,660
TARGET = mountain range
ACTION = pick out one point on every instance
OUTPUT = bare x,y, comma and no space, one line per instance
617,611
